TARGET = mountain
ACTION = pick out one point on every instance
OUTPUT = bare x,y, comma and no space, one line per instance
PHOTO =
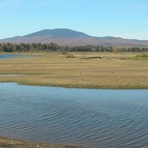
67,37
58,33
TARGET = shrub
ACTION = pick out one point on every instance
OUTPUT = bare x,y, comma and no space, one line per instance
69,56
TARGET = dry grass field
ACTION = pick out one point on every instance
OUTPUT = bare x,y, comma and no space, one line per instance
114,71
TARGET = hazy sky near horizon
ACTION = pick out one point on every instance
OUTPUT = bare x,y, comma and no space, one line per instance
119,18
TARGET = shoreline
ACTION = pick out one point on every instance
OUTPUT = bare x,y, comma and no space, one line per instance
75,86
17,143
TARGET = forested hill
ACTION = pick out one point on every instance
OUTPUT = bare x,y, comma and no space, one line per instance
67,37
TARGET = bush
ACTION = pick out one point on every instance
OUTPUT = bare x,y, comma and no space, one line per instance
69,56
142,56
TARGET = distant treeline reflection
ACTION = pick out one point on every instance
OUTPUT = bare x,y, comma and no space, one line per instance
24,47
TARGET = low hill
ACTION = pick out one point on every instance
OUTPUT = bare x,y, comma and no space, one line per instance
67,37
58,33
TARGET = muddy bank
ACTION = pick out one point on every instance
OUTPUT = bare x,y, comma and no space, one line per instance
15,143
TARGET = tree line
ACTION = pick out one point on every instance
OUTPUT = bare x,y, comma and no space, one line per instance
23,47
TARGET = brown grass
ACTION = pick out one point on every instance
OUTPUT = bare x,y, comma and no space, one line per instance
16,143
53,69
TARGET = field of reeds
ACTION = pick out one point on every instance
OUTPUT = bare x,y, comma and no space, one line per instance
80,70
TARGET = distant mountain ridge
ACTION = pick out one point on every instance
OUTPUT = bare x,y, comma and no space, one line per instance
67,37
58,33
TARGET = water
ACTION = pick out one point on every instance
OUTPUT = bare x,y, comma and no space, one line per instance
8,56
12,75
90,117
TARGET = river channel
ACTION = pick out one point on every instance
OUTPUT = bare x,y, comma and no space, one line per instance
90,117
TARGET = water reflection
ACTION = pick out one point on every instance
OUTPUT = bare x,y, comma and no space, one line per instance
105,118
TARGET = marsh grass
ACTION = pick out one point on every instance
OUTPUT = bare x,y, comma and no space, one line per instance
140,57
69,55
53,69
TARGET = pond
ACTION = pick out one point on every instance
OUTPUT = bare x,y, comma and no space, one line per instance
8,56
12,75
90,117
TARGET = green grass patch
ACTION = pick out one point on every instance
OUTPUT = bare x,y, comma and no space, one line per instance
140,57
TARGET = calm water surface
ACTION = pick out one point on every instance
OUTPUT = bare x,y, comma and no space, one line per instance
91,117
8,56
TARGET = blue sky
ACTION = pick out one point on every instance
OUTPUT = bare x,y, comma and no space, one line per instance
119,18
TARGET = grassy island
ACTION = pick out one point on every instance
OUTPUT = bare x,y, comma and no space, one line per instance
79,70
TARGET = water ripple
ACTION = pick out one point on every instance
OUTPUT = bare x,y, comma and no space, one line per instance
96,118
